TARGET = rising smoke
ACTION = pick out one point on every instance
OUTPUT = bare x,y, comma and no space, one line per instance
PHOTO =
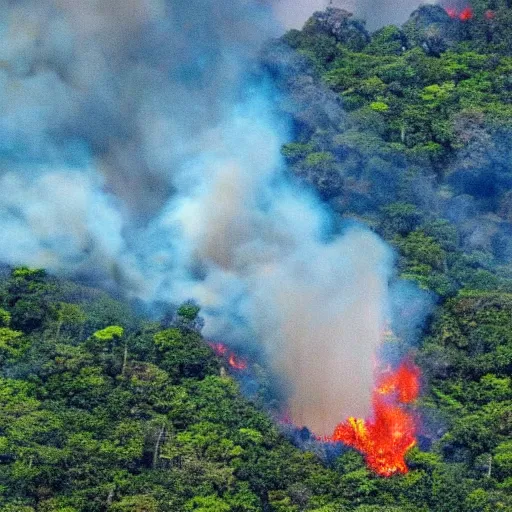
140,148
376,13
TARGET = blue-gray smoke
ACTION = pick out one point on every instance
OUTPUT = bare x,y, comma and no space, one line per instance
140,148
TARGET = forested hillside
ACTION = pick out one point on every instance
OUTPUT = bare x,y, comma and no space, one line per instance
103,410
424,147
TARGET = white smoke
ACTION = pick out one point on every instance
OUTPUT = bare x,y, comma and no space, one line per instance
137,146
314,301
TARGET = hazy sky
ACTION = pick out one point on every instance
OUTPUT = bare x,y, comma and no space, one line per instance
377,13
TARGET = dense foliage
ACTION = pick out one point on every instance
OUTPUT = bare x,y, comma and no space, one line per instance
421,150
102,411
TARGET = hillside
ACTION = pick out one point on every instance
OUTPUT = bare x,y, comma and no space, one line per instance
407,131
422,151
96,416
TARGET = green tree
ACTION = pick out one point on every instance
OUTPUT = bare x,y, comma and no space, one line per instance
70,316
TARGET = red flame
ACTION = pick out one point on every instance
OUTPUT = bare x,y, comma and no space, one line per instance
221,350
284,417
490,14
466,14
385,439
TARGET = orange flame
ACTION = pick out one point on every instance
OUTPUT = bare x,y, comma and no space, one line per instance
234,361
385,439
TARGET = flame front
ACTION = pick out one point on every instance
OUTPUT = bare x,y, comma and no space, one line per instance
389,434
385,439
234,361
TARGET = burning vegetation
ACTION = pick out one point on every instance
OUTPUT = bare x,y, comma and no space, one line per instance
235,362
465,14
385,439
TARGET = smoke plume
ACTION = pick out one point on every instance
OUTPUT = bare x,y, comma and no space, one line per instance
140,148
293,13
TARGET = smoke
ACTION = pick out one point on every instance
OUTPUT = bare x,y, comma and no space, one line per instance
294,13
273,271
140,148
327,311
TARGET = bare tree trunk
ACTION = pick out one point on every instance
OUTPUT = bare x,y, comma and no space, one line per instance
125,359
157,446
57,334
110,496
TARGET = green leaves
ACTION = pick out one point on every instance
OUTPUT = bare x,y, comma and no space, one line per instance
109,333
5,318
168,339
379,106
207,504
422,255
170,433
184,354
100,411
399,218
435,95
12,344
189,311
503,460
136,503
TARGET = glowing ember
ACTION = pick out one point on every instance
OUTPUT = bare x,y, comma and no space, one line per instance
489,14
219,348
385,439
284,417
466,14
235,362
452,12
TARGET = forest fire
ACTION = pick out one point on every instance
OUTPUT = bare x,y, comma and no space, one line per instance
234,361
388,435
385,439
465,15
